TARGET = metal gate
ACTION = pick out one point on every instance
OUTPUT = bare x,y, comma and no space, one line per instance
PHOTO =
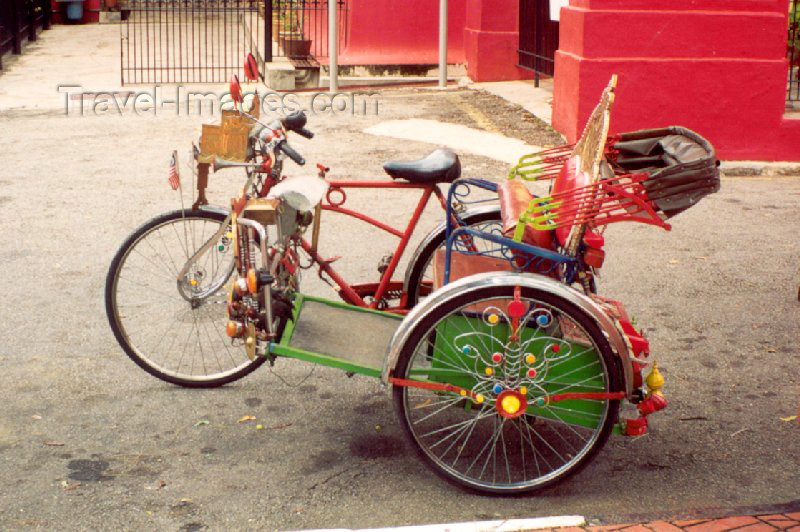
205,41
20,20
300,27
538,37
189,41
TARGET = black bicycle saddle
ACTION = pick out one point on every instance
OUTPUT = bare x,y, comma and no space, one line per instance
439,166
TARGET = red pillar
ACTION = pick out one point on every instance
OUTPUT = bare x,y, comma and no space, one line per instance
491,39
718,67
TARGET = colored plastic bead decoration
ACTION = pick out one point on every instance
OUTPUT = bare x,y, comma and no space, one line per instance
516,309
530,358
511,404
531,373
489,372
479,398
465,349
523,390
497,358
497,389
542,320
555,348
493,319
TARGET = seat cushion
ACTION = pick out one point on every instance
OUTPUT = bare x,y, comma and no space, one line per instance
514,200
439,166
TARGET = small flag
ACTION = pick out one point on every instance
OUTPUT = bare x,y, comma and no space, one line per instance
174,174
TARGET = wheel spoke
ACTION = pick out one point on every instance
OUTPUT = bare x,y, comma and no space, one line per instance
174,330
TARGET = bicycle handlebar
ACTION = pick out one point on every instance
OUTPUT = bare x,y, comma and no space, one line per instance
294,122
303,132
291,152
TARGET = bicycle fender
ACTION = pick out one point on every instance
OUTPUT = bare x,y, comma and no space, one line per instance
216,209
530,280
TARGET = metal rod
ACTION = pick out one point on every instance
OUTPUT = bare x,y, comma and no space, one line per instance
442,43
333,48
268,31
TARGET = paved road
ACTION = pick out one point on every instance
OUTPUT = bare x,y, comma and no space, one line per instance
88,440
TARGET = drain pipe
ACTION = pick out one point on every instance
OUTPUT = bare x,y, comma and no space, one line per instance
442,43
333,51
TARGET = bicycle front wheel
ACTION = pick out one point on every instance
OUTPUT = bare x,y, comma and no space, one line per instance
175,328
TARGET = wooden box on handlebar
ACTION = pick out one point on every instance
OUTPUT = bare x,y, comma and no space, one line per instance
262,210
228,140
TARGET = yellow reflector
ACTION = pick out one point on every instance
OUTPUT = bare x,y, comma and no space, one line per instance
511,404
252,282
233,329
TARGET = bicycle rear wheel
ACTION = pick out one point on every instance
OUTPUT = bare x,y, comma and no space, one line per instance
174,328
491,414
420,269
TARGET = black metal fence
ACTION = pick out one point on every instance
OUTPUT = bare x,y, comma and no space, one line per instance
793,52
189,41
21,20
205,41
538,37
300,27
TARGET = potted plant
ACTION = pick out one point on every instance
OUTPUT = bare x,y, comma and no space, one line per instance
291,38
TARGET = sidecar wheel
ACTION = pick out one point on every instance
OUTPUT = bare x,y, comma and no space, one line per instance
475,439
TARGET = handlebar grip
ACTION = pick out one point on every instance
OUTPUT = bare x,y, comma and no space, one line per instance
293,155
305,133
295,121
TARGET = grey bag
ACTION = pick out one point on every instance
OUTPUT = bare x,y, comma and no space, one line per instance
681,165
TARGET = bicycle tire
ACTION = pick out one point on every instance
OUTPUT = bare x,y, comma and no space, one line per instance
143,298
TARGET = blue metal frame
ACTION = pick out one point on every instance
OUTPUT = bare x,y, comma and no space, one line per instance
453,196
545,260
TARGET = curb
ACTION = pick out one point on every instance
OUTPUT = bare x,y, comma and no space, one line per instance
759,169
506,525
704,514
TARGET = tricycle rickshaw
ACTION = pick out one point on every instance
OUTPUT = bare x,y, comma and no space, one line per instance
506,368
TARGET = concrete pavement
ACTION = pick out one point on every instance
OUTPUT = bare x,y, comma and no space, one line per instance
89,441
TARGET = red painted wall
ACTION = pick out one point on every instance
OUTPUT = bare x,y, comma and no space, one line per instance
491,39
483,34
401,33
717,67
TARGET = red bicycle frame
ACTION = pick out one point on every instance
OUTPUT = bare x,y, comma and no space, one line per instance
355,294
